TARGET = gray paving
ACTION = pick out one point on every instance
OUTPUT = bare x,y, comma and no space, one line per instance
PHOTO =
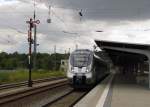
92,98
127,93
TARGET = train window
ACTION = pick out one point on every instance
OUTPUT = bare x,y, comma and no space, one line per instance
81,59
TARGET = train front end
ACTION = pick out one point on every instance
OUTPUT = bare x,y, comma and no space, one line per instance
80,68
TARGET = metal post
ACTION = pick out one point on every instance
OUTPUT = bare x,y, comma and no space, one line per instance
76,46
35,40
30,40
55,56
35,48
69,51
30,51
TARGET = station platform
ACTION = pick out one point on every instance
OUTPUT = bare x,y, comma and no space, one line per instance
126,92
92,98
122,91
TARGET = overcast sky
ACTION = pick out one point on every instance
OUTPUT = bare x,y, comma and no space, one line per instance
120,20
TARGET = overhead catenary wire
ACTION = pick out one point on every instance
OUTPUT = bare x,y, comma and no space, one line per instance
86,10
34,18
61,20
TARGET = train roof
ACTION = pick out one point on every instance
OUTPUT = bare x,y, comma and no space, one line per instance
82,51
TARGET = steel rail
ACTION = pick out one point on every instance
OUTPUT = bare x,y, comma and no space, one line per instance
69,93
64,96
25,83
7,98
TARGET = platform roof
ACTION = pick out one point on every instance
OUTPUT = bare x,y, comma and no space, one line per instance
122,44
124,56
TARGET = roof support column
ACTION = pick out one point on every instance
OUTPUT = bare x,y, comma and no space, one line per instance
148,55
149,74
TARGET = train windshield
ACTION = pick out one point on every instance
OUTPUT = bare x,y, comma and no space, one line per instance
81,58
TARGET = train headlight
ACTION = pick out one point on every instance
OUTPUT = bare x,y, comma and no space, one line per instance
88,69
72,69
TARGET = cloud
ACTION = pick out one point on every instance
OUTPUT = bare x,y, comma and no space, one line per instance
120,20
106,9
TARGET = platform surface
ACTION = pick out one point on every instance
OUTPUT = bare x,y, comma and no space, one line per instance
92,98
127,93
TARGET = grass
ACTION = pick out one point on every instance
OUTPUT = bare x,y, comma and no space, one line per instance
22,75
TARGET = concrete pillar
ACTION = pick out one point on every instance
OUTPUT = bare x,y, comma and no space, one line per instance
148,55
138,68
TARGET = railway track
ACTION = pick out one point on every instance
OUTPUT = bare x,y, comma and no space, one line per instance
12,97
69,99
25,83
